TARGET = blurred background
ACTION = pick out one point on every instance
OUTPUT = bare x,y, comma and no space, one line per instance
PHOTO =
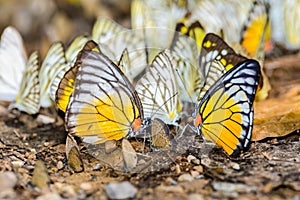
42,22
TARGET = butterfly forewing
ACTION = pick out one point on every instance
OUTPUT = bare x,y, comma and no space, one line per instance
216,58
184,51
71,54
28,98
225,112
104,105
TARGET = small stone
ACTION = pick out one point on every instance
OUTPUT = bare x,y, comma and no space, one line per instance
40,176
198,168
171,181
68,191
177,169
8,194
18,163
185,177
8,180
120,190
195,197
195,161
60,165
110,146
87,188
190,158
129,155
52,196
235,166
97,167
194,173
46,144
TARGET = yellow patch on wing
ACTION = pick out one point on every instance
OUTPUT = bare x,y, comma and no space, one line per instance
106,120
222,121
254,35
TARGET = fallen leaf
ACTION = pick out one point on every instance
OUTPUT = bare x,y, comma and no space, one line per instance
276,117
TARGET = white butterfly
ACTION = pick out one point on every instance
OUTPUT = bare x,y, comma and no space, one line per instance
13,60
54,62
28,98
157,90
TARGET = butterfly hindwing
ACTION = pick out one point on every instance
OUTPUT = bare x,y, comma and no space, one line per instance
28,98
104,105
225,113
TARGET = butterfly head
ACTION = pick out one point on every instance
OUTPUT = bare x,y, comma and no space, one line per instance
198,120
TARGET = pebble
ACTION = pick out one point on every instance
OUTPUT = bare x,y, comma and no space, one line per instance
185,177
97,167
110,146
232,187
177,169
171,181
40,176
60,165
194,173
195,197
129,155
8,194
235,166
52,196
120,190
8,180
18,163
190,158
196,161
198,168
86,187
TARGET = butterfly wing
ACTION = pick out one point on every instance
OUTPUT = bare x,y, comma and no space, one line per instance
225,113
254,32
13,61
113,39
216,58
184,51
28,98
157,89
53,63
160,135
70,55
104,105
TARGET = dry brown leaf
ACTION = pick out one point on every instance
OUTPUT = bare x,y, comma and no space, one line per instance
276,117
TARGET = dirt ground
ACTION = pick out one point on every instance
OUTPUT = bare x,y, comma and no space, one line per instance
33,161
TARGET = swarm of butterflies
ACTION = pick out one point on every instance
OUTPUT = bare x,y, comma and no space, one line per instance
114,83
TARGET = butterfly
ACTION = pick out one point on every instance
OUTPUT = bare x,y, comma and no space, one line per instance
13,60
185,53
225,113
54,62
256,40
114,39
158,91
104,105
28,97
